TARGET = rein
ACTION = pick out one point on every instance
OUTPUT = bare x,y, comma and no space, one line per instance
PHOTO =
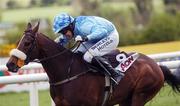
68,79
73,48
58,54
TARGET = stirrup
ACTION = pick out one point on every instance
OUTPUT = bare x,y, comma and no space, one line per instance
114,80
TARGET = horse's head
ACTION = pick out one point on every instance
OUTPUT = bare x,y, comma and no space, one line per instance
26,50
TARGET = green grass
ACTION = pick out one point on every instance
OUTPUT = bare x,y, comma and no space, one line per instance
158,6
166,97
22,99
14,99
120,5
19,15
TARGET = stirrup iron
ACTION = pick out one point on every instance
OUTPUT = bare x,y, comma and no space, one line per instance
114,80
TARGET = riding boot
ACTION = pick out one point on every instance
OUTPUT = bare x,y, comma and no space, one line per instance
115,75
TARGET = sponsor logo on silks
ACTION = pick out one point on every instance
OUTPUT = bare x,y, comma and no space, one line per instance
127,62
102,43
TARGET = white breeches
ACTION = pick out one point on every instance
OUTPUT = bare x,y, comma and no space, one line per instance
101,48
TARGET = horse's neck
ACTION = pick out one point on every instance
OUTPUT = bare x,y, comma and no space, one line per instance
48,46
56,67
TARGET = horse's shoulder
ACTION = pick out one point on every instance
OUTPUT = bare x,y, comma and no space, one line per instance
79,57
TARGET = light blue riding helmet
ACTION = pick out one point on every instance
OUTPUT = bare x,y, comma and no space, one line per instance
61,21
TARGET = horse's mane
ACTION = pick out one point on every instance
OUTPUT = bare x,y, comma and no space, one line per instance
51,42
56,47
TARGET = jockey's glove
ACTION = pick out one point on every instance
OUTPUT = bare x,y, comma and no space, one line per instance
81,39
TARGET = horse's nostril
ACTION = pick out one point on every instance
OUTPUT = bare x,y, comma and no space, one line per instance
12,67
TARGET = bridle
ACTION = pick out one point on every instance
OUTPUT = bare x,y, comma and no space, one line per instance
34,44
73,48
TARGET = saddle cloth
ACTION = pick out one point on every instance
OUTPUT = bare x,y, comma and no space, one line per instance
120,60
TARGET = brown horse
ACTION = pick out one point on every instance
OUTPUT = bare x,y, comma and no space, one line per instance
142,81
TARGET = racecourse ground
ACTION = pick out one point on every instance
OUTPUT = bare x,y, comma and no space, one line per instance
165,97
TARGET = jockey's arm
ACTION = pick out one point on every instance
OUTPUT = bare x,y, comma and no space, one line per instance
62,40
97,33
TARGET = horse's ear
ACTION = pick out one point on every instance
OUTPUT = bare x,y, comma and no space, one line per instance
35,29
29,26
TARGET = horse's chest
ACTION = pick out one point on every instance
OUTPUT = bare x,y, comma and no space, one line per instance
59,101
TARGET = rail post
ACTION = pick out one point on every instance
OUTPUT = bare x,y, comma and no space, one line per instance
33,93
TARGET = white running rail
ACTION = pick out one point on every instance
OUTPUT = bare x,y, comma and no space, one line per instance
165,55
43,77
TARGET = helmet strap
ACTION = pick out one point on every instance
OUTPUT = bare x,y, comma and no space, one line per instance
71,27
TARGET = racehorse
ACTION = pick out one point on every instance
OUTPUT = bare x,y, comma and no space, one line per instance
71,82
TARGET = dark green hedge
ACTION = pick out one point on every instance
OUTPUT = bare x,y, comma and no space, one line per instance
162,28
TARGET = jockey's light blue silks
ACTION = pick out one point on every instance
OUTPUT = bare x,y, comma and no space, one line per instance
98,36
61,21
95,28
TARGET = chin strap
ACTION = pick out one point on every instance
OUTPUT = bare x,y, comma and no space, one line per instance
19,54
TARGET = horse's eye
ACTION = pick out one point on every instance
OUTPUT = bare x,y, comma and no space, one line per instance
27,43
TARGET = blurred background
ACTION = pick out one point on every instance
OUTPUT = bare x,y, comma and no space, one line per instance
137,21
147,26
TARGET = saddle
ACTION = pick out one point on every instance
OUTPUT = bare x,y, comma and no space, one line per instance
116,56
119,60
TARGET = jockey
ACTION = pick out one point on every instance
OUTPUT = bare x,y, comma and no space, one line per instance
98,37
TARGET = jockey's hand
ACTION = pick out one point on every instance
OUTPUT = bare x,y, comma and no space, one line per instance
81,39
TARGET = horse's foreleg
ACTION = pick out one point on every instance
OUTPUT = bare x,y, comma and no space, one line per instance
126,102
138,99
